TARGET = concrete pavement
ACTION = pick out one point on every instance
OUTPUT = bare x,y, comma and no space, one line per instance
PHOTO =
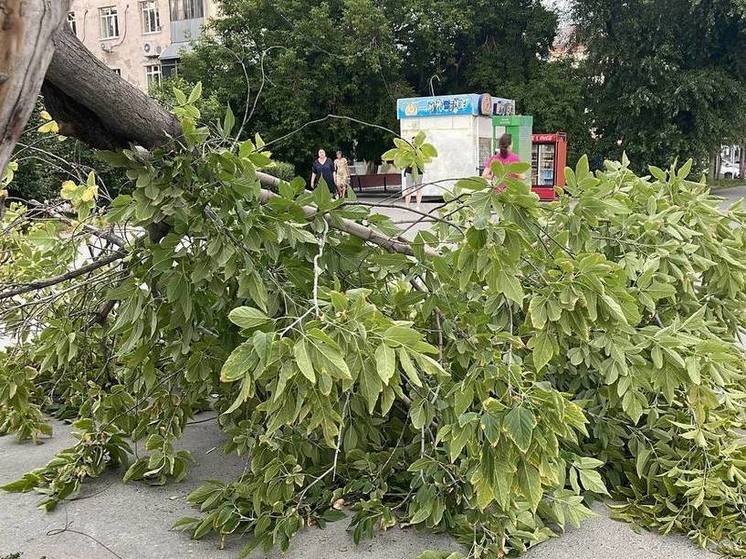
133,520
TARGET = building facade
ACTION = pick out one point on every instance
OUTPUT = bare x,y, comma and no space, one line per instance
141,40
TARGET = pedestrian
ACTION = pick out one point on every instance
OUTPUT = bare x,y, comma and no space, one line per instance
505,156
341,174
323,170
413,185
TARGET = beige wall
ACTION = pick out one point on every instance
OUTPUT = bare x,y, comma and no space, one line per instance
126,52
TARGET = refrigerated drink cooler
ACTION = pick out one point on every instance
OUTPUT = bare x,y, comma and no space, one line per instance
548,161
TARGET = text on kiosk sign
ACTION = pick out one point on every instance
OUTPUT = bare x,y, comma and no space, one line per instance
454,105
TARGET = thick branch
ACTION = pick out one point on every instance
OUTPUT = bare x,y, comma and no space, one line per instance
346,225
26,29
95,105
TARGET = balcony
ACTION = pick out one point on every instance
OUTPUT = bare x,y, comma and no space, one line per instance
186,30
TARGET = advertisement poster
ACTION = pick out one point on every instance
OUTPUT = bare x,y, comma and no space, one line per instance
455,105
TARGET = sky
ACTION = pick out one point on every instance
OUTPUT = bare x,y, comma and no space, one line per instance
561,6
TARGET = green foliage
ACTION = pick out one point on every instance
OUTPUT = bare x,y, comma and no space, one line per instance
281,170
304,60
665,79
648,85
19,412
62,478
356,57
415,154
525,361
45,159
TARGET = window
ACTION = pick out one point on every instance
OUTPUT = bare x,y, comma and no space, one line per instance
151,19
169,69
187,9
72,23
153,75
109,22
117,71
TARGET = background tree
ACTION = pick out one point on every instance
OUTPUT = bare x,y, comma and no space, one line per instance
357,57
310,59
665,78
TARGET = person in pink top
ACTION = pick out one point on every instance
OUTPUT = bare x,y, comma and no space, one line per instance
505,156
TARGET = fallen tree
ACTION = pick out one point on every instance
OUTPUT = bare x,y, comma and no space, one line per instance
490,378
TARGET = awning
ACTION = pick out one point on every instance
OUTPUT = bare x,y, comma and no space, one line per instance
174,50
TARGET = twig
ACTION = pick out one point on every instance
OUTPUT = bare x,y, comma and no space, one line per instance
405,208
72,274
344,225
68,523
317,269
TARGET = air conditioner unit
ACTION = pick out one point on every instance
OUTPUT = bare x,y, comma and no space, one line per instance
152,49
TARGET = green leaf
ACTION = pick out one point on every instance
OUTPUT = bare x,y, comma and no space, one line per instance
510,286
196,94
335,359
543,349
248,317
641,460
333,515
418,414
385,363
529,481
692,369
409,368
370,388
242,360
303,360
402,335
229,122
519,424
592,481
614,308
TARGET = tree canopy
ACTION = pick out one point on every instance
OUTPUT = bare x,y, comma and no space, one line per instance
665,79
490,378
355,58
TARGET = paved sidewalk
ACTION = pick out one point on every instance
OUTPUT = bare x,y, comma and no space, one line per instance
133,520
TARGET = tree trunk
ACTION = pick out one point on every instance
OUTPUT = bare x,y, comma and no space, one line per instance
26,30
92,103
742,159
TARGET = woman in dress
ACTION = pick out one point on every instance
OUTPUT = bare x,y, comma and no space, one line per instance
323,169
342,174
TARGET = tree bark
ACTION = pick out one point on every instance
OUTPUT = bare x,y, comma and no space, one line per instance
26,30
92,103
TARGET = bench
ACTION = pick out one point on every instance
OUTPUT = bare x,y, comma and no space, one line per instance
385,181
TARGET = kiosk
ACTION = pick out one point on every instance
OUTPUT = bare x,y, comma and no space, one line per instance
463,130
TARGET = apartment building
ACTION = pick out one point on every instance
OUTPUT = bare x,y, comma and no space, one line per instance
141,40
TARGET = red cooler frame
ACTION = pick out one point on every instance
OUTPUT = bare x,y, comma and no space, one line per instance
548,163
